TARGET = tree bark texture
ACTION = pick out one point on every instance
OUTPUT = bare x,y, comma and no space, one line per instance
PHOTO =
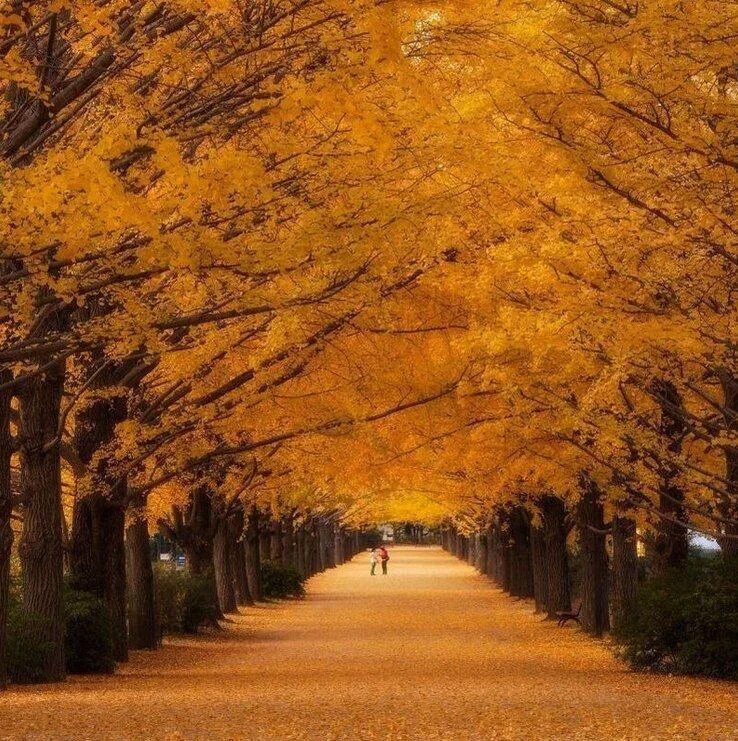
594,614
223,566
540,568
555,532
6,507
40,547
253,562
624,569
143,630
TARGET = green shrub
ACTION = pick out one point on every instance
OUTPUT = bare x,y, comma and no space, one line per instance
279,582
25,654
686,622
88,635
168,591
199,606
87,640
185,602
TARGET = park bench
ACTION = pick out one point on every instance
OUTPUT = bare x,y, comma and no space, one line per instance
563,616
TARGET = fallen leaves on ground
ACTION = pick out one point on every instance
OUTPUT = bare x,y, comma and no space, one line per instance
431,651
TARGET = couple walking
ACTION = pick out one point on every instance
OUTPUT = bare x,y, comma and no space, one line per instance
379,555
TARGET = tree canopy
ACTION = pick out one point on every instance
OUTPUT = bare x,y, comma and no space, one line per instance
370,260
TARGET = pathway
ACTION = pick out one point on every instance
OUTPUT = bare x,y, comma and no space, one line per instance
432,651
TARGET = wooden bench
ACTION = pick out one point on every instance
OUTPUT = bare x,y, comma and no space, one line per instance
563,617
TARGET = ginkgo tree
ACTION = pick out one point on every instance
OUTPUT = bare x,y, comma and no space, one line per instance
612,299
273,272
163,222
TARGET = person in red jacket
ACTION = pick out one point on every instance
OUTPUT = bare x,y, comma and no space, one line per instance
383,558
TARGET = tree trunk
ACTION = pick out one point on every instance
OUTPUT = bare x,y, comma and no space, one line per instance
193,527
238,557
594,615
300,551
482,553
325,545
624,569
199,559
728,503
253,562
314,544
506,566
222,563
496,552
275,542
728,508
98,559
85,562
265,539
337,545
6,507
243,593
97,556
671,545
143,630
555,532
490,566
288,541
40,548
113,526
309,541
469,549
540,568
523,562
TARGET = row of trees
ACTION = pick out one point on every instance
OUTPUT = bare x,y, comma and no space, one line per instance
189,224
524,549
342,262
615,339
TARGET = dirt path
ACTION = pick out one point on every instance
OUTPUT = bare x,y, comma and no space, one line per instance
430,651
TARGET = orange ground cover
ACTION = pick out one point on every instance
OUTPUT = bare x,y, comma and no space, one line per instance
433,651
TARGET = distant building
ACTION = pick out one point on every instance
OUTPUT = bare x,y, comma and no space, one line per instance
388,533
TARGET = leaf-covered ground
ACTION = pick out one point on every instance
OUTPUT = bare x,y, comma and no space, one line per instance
430,651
